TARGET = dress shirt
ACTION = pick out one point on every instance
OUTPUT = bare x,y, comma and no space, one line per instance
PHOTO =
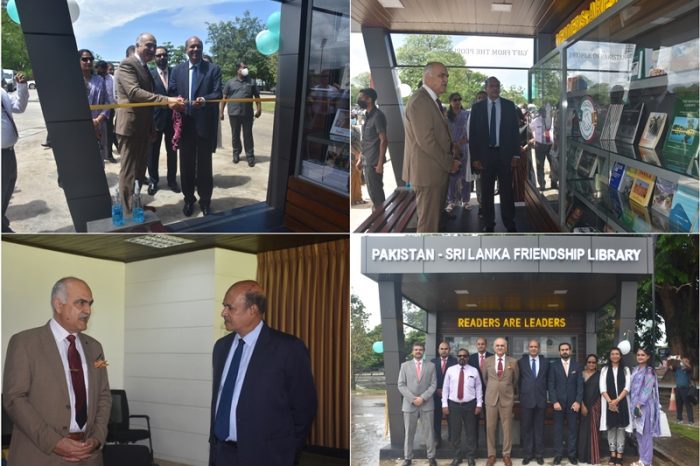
538,127
60,334
433,96
498,118
12,104
250,341
163,76
472,385
537,364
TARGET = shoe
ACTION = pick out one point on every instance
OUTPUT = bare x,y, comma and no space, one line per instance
455,462
48,146
188,209
573,460
527,460
540,460
507,461
206,209
236,158
174,187
152,189
557,460
491,461
251,162
432,462
406,463
111,159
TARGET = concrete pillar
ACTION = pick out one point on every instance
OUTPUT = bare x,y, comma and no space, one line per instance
431,342
626,315
392,335
380,55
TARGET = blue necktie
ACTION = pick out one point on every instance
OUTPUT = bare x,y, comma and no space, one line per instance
534,368
492,126
223,414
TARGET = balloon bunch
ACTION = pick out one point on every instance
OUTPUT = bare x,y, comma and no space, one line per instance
268,40
73,9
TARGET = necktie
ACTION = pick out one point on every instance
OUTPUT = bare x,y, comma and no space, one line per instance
193,83
418,370
500,367
444,363
566,368
439,104
77,379
534,368
492,126
481,361
223,414
164,78
460,388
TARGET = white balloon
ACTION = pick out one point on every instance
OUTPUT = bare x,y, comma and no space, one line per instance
624,346
405,90
74,10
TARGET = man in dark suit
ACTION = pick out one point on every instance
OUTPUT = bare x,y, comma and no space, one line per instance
163,123
476,360
566,393
441,364
494,146
55,387
198,81
532,387
134,126
263,397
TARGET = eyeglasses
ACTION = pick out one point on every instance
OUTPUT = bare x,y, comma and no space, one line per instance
462,356
86,59
161,55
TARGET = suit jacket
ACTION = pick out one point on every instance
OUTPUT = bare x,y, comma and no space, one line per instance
562,389
208,85
474,362
277,403
410,387
500,391
162,116
451,361
533,390
135,84
35,396
428,148
509,135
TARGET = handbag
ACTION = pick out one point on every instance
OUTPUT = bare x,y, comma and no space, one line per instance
664,428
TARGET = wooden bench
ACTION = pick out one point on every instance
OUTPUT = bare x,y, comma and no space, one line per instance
312,208
539,214
393,215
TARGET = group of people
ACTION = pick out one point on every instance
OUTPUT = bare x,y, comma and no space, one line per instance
56,389
187,109
585,399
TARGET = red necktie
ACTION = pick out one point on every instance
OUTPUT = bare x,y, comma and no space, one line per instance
444,363
500,367
481,361
76,375
418,370
460,389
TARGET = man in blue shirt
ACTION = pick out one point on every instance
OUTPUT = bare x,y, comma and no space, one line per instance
683,372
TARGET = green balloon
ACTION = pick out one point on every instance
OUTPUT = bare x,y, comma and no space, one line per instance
12,11
378,347
267,42
273,22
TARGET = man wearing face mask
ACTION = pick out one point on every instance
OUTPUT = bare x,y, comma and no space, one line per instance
240,115
374,144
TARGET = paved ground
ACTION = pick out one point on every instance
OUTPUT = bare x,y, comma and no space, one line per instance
39,205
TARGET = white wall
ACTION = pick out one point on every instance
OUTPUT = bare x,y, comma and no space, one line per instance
27,277
171,323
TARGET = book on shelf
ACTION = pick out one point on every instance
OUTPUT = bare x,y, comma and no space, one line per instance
629,123
653,130
642,220
616,175
637,66
642,188
662,199
612,121
586,164
682,138
341,125
627,180
659,221
684,209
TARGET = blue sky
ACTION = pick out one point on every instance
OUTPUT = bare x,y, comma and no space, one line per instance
108,27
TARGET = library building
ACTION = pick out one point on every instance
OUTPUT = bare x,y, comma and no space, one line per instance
609,94
551,288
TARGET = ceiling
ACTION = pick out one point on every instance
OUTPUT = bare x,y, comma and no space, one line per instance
527,17
533,292
117,248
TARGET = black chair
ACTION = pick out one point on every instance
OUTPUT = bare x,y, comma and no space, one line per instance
119,431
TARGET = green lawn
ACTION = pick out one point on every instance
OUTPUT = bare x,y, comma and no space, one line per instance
690,432
268,107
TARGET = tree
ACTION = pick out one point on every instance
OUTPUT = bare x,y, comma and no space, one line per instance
232,42
14,50
414,318
176,54
359,82
515,93
362,357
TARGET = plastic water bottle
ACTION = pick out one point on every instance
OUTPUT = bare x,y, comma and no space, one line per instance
117,211
136,206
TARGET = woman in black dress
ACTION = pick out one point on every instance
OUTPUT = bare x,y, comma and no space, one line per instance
588,437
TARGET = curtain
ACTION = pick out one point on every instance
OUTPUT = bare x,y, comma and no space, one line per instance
308,296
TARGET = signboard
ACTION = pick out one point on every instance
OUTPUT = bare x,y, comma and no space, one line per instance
517,322
595,9
399,254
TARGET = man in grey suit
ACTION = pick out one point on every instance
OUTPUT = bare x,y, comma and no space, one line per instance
417,383
429,155
532,387
55,386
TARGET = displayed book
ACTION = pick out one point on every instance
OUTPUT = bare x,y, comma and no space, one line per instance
616,174
629,123
341,125
659,221
642,220
662,199
586,164
684,209
653,130
642,188
612,120
627,180
681,144
637,68
684,56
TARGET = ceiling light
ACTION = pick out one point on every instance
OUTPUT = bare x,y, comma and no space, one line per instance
561,291
391,3
159,241
501,7
471,305
461,291
552,305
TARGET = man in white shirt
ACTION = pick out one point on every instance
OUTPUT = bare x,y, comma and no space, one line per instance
541,128
15,103
462,398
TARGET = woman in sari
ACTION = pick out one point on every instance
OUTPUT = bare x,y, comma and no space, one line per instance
644,399
588,439
614,411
